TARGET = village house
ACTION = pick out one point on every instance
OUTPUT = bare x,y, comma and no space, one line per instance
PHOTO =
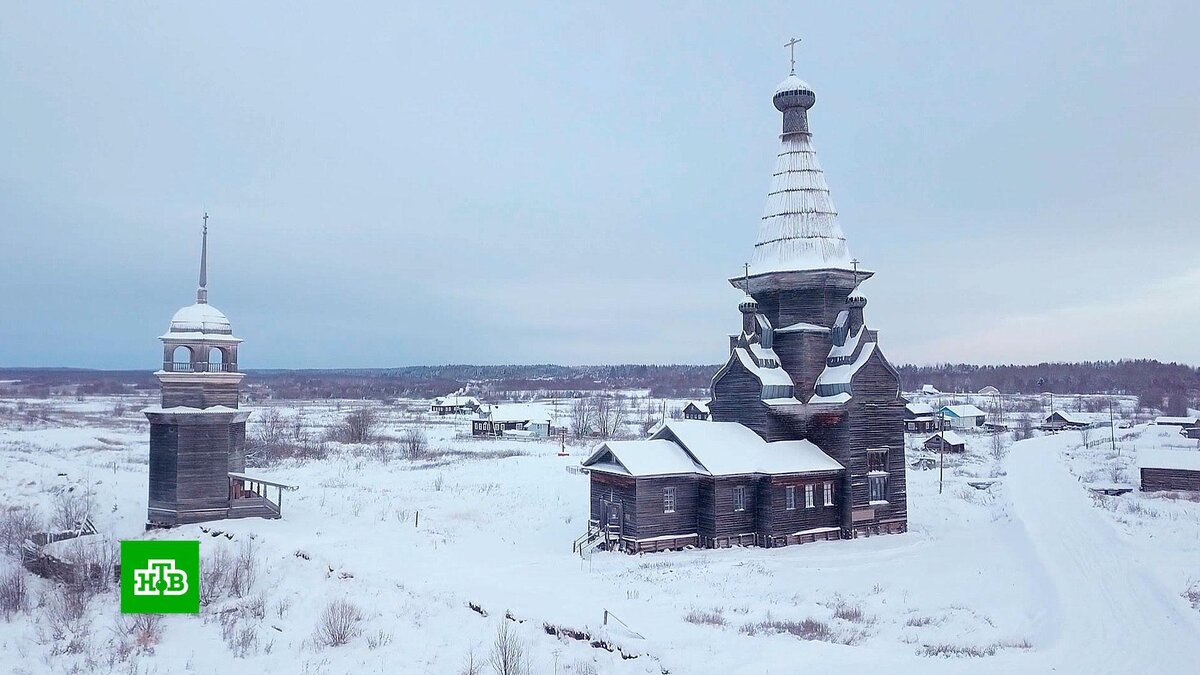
512,419
1061,419
920,418
695,410
1169,470
806,433
962,416
946,441
929,390
454,404
1177,421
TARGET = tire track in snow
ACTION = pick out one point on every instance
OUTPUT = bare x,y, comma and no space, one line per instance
1107,614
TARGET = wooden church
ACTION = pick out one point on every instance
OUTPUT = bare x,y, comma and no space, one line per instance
198,433
806,438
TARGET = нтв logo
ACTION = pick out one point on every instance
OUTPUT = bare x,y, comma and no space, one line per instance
160,577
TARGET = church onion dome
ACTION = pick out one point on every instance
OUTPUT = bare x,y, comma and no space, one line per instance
748,305
200,318
793,93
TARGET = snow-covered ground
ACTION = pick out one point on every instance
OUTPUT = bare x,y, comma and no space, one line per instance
1030,575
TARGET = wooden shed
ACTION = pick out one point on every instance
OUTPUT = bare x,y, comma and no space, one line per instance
946,441
1169,470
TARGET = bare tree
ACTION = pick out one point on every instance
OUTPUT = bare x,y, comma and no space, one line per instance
415,443
359,426
581,418
1085,434
1024,428
508,653
71,508
999,446
609,415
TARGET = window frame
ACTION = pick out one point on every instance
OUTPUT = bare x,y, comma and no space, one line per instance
827,491
877,487
739,498
790,497
669,499
809,497
872,464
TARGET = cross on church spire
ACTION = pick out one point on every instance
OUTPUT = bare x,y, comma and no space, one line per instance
791,44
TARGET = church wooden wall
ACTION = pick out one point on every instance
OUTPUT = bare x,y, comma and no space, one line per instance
775,520
164,443
876,419
721,522
613,487
652,521
737,397
802,354
199,394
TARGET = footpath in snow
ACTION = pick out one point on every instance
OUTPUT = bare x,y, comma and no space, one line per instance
1106,613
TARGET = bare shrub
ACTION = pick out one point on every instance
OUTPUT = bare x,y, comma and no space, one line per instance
244,570
582,667
213,581
508,652
340,622
14,592
269,442
808,629
17,525
1024,428
93,563
716,617
378,639
415,443
358,427
851,613
472,665
145,629
71,508
957,651
1192,594
63,612
919,621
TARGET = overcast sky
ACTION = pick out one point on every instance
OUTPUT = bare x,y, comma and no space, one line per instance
424,183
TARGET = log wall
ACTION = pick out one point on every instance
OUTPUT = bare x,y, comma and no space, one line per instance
1154,480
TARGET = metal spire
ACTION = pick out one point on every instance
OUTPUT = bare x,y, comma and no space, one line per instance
202,292
791,44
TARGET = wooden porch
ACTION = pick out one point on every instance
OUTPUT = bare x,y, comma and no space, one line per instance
250,497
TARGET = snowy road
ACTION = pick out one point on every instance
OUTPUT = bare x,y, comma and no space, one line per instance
1106,614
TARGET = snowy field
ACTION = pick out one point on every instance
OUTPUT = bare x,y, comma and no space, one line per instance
1031,575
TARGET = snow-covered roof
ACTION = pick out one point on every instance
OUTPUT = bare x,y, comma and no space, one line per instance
729,448
200,318
844,373
929,389
702,406
768,376
948,436
186,410
1176,421
965,410
519,412
920,409
1188,460
989,390
832,399
799,229
456,400
847,349
1079,418
803,327
763,354
792,83
642,458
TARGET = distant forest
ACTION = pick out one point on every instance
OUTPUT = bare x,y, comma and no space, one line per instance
1168,386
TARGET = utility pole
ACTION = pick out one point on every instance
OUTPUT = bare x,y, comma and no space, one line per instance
941,449
1112,427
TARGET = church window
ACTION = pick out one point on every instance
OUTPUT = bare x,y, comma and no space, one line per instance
828,493
808,496
668,500
739,498
791,497
877,459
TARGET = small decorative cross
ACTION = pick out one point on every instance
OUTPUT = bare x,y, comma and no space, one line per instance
746,280
854,263
791,44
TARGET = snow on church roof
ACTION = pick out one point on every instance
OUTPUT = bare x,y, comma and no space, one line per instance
729,448
642,458
200,318
799,228
844,373
768,376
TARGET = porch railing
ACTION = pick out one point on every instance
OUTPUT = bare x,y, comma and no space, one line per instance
244,489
